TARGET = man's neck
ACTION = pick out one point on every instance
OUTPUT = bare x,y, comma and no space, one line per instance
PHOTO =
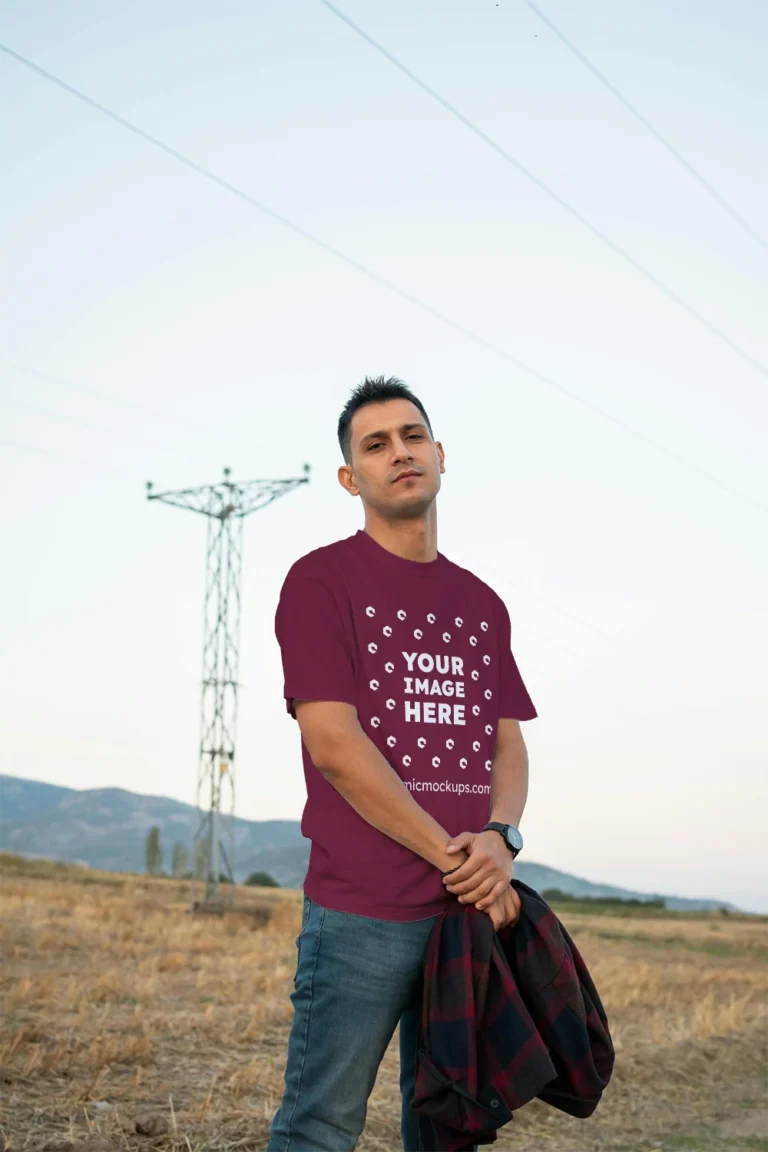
411,539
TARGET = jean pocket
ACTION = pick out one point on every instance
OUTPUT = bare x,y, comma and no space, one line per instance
306,909
305,912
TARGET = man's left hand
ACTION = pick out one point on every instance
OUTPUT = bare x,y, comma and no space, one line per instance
485,874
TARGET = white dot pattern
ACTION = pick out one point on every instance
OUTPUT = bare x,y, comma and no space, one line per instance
432,674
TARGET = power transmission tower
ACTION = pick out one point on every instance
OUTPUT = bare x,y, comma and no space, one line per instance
225,505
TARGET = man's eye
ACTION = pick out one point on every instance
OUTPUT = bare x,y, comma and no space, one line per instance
372,446
415,435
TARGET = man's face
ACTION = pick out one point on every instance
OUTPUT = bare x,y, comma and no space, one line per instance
388,441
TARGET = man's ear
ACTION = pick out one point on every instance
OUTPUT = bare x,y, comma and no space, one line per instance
347,480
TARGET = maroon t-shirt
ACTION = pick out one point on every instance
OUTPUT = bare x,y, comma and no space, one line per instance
422,651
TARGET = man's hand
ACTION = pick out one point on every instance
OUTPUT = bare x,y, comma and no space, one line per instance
485,876
505,910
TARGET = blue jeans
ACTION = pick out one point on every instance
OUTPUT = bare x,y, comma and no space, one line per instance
356,978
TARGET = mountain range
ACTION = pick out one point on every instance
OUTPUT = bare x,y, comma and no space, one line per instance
106,828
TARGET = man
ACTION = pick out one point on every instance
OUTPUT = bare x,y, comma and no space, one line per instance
399,672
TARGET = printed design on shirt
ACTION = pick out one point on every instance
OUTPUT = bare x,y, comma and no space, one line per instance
431,687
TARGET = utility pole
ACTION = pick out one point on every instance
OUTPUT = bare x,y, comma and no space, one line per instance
225,505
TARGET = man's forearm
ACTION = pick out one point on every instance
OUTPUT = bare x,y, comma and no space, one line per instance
359,772
509,782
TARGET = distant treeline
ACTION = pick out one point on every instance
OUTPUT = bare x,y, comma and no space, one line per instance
557,896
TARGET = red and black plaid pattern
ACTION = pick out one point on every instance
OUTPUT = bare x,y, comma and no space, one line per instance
506,1017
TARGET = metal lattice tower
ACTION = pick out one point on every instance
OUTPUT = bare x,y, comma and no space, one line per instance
225,505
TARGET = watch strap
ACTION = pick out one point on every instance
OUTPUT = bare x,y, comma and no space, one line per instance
497,826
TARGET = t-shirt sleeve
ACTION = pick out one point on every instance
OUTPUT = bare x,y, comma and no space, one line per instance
314,645
514,701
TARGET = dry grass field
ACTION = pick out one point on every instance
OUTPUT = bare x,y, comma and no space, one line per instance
119,1007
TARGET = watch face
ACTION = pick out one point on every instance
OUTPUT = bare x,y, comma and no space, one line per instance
514,838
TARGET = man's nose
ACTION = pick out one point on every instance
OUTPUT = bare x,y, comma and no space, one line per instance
401,450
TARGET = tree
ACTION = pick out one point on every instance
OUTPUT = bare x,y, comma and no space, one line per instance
153,853
178,860
262,880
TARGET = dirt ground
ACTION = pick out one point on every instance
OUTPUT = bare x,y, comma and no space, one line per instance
122,1011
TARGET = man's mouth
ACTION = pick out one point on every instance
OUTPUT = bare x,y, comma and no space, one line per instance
406,476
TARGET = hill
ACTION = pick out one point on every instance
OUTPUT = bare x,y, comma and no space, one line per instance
106,828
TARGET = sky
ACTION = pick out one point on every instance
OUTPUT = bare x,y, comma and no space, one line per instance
157,327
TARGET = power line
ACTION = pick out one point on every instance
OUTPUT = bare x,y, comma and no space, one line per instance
484,566
120,400
92,427
502,353
574,212
646,123
31,448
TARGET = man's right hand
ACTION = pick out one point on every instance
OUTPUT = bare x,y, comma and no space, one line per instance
505,909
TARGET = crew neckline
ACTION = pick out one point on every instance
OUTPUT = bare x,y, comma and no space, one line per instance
394,564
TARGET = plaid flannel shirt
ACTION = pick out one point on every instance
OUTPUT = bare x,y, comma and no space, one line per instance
506,1017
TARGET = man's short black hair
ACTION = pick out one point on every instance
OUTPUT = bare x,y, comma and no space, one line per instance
373,390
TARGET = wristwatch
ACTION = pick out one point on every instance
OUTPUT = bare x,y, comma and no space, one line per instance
512,836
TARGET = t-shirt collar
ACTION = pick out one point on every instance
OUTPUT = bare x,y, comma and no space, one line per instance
397,566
